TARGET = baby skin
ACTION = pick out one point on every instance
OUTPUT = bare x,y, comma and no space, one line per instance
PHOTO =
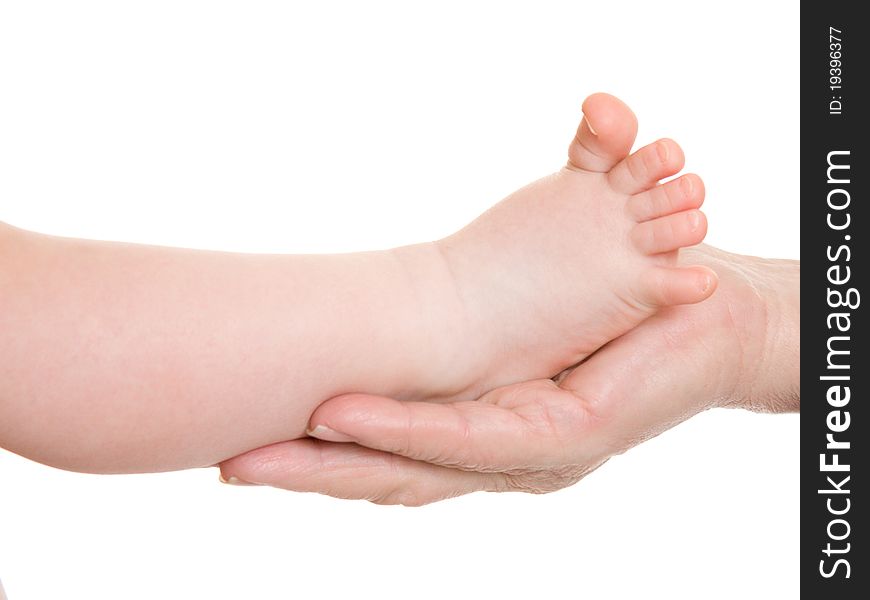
127,358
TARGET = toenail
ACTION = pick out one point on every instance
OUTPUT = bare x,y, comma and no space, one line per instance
687,185
589,125
663,150
706,282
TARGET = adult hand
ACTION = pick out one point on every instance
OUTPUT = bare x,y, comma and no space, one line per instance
740,348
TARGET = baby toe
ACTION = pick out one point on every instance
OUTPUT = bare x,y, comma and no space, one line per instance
683,193
643,169
604,136
670,232
670,286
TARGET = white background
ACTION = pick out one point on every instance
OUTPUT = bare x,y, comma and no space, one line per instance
265,126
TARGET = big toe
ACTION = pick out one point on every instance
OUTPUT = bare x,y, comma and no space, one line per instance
605,134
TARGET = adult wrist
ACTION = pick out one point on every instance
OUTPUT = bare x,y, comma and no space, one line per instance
775,386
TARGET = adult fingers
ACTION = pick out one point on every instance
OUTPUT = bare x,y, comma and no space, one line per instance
353,472
529,425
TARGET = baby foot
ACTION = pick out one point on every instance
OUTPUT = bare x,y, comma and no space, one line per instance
568,263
